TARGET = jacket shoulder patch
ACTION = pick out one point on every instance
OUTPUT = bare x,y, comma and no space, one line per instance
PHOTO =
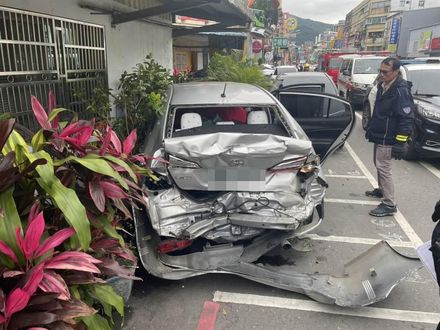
406,110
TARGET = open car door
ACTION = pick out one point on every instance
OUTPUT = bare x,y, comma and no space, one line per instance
326,119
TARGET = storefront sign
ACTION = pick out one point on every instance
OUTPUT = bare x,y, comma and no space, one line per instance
280,43
435,43
425,40
395,29
257,46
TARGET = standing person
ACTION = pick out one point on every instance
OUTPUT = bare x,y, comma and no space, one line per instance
389,129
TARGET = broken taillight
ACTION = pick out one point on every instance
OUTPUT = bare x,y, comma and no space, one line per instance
173,245
290,165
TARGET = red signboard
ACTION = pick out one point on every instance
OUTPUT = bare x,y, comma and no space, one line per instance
257,46
435,43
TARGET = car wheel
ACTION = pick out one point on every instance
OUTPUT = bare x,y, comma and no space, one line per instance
411,152
366,116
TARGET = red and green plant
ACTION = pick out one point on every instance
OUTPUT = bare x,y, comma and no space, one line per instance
65,221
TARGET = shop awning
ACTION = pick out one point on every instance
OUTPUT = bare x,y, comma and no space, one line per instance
225,12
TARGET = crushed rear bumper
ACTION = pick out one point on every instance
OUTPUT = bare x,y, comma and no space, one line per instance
367,279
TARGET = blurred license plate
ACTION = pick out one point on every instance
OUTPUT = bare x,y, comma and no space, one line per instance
236,179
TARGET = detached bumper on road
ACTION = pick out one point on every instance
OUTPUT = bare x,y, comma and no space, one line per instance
367,279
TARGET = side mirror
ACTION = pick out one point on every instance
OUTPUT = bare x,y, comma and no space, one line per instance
345,72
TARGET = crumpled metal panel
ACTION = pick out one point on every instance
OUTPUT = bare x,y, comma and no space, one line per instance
369,278
235,161
171,214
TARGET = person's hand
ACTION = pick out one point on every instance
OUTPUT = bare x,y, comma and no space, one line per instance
436,215
398,150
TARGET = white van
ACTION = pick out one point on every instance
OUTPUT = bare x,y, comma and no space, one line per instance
356,74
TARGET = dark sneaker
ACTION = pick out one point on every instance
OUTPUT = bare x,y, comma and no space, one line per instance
376,192
383,210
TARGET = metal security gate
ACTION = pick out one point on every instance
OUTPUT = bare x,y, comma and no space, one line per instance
41,53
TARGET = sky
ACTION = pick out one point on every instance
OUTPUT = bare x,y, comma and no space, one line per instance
327,11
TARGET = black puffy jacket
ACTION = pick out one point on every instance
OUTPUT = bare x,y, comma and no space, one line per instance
393,113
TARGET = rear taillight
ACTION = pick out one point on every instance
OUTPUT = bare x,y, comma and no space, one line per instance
179,162
290,165
173,245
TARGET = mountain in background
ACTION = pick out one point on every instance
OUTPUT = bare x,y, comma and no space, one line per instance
309,29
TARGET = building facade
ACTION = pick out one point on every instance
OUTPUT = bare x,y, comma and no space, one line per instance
365,25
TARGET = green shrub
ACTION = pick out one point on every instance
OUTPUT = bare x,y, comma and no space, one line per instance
230,68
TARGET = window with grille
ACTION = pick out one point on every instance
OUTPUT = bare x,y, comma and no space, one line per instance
39,53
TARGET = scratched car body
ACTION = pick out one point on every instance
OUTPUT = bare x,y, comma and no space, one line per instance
237,177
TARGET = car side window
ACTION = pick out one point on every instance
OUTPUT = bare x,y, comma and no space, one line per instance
336,108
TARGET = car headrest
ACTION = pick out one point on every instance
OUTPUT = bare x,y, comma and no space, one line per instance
190,120
257,117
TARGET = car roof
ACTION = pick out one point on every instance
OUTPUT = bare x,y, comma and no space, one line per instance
210,93
421,66
306,78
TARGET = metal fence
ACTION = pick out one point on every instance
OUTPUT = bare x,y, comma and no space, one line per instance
39,53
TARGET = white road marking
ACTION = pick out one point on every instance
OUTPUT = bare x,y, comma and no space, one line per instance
341,176
431,169
403,223
358,240
350,201
312,306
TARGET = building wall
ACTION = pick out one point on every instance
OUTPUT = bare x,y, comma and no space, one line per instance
401,5
365,25
127,43
416,20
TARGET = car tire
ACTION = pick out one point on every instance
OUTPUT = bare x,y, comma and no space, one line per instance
366,115
411,152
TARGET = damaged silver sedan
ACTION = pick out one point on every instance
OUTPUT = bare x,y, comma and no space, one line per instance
240,174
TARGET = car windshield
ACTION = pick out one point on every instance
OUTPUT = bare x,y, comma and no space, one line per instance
232,119
335,63
425,81
367,66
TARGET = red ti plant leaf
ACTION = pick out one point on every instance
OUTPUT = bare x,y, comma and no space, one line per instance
6,127
34,279
105,142
52,102
112,190
115,141
53,241
53,282
74,260
2,319
35,208
130,142
5,249
40,113
77,133
97,194
19,239
112,267
16,301
33,235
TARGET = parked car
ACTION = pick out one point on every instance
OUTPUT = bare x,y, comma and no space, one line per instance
267,69
425,139
356,74
283,69
319,82
237,176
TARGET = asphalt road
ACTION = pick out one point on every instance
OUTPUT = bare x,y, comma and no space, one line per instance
347,231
